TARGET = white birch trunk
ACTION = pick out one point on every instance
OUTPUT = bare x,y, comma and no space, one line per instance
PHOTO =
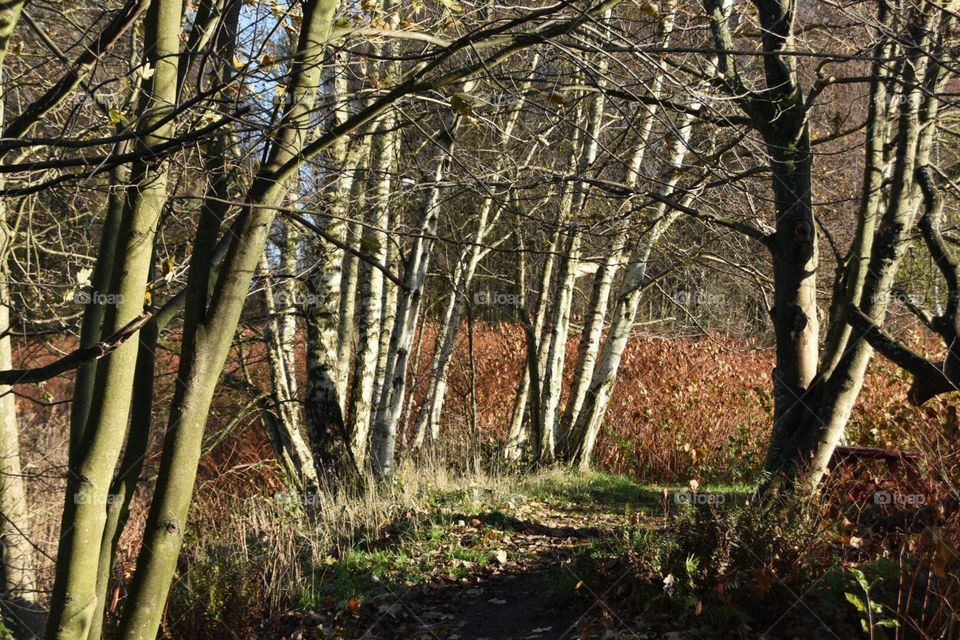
19,594
517,435
286,429
390,403
324,402
370,295
372,285
346,331
557,346
590,336
571,205
584,432
388,316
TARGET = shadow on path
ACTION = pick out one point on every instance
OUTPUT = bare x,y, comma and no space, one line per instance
507,606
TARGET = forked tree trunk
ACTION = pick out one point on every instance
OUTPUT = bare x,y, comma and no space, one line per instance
208,333
572,204
812,445
593,328
582,436
371,291
591,334
99,439
407,312
141,418
556,347
813,399
517,435
135,451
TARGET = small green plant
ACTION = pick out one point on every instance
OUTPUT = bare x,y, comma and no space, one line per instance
870,611
5,633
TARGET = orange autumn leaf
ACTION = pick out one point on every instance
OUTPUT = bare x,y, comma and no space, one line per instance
353,605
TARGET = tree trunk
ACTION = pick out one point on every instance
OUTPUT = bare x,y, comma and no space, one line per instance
374,244
18,588
18,595
390,402
349,282
208,334
818,437
585,429
591,334
572,204
100,438
516,434
557,347
280,328
428,419
324,404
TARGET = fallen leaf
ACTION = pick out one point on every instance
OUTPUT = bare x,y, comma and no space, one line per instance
353,605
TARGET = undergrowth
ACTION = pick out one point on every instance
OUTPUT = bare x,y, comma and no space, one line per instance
705,559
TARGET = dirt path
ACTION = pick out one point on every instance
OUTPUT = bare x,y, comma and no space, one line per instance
533,591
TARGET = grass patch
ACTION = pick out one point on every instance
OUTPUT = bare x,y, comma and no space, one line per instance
585,488
594,488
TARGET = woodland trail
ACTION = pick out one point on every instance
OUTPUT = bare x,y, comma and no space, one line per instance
536,593
533,588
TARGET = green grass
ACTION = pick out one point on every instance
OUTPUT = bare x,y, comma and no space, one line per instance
456,529
420,554
590,487
594,488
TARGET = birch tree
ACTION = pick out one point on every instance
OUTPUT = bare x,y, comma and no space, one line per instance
572,203
371,291
427,425
387,419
